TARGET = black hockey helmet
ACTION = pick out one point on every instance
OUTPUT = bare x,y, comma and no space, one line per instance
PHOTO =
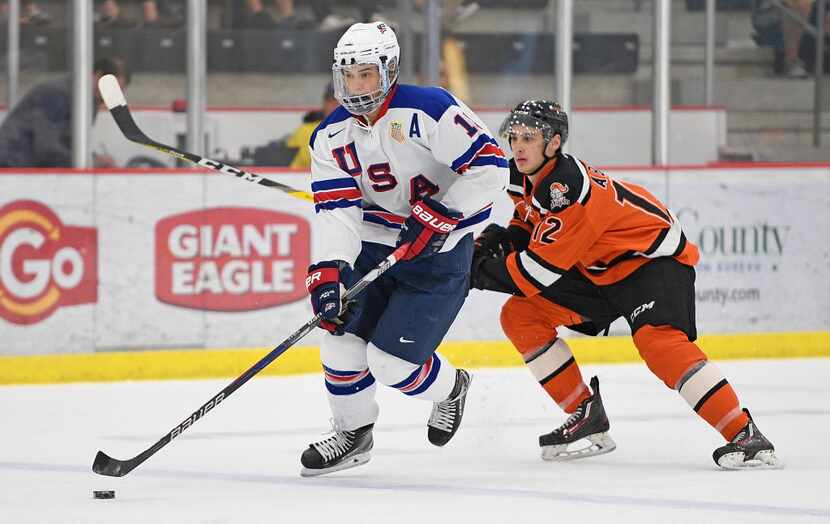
544,115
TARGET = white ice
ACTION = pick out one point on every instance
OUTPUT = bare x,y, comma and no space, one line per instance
240,463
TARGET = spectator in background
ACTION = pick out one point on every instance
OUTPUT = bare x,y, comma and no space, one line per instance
108,15
453,12
330,21
160,13
301,136
807,47
38,130
777,29
324,14
163,13
251,14
31,13
792,30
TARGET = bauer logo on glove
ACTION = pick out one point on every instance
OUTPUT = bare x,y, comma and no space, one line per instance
433,222
427,228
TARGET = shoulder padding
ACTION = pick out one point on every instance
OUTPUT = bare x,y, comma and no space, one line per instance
433,101
338,115
565,186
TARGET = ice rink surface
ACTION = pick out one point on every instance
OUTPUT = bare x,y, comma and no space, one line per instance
240,463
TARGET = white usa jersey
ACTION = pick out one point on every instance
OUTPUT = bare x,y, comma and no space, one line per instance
425,142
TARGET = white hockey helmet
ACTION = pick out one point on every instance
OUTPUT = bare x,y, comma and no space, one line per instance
374,44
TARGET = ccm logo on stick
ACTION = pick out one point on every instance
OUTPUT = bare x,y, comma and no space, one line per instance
231,259
432,221
44,264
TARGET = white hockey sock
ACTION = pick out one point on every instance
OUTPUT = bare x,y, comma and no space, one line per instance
433,380
350,386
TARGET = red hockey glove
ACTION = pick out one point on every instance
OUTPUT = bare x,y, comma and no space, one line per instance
326,290
427,228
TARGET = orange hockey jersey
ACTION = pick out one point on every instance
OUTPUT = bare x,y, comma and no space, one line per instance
579,217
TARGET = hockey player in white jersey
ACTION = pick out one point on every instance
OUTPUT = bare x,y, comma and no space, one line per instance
394,164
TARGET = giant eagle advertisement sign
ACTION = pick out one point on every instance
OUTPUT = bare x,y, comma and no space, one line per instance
152,260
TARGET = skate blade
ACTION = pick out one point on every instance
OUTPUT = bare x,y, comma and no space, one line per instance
600,444
352,462
763,460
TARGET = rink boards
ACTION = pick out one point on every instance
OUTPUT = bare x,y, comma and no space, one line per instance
102,262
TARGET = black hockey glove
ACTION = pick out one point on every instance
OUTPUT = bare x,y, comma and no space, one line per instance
494,241
519,238
326,289
490,273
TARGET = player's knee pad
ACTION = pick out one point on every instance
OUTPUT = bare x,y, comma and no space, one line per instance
387,368
522,324
346,352
667,352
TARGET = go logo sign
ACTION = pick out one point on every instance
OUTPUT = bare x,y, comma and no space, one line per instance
44,264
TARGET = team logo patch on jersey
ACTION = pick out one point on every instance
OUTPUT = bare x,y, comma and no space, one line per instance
558,196
396,130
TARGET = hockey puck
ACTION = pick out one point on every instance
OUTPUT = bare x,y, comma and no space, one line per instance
103,494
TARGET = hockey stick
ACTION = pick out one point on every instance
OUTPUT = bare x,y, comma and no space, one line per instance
106,465
117,105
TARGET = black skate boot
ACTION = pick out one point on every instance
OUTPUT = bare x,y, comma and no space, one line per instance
587,422
446,415
343,450
749,449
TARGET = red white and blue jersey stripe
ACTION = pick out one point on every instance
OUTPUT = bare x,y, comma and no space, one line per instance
485,151
424,142
336,193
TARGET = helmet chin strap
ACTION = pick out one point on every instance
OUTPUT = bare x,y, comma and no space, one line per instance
546,161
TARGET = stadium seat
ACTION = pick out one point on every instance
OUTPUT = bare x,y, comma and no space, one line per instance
162,50
223,51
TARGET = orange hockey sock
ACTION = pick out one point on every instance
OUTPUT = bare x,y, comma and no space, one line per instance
712,397
530,324
557,372
681,365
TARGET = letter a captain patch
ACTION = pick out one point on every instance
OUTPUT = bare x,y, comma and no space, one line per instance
414,129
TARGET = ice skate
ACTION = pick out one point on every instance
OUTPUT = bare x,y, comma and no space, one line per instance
342,450
446,415
587,422
749,449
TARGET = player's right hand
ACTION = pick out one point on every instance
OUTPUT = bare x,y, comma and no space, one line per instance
429,225
327,291
494,241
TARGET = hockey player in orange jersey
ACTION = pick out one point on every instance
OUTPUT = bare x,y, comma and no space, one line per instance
582,250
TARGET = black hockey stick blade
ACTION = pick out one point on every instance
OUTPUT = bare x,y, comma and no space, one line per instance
115,101
112,467
106,465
